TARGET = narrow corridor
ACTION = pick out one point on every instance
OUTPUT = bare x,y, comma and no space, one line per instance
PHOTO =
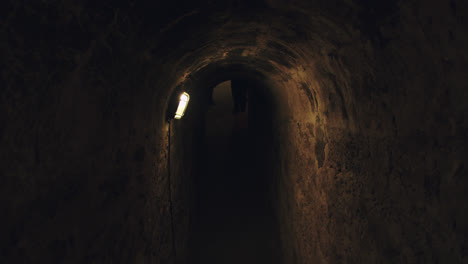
235,222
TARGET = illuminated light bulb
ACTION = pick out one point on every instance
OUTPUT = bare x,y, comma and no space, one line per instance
183,102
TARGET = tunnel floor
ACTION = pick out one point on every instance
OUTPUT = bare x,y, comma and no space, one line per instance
235,222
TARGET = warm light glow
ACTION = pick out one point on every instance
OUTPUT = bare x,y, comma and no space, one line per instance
184,99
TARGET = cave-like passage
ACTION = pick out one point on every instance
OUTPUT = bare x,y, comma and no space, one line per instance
234,221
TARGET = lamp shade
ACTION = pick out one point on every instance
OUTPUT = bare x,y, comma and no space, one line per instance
183,102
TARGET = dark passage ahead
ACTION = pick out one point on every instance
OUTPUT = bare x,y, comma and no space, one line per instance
235,223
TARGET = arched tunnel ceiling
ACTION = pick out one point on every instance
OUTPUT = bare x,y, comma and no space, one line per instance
269,39
284,43
312,47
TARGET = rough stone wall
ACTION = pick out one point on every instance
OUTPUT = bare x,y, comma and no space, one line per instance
83,171
374,173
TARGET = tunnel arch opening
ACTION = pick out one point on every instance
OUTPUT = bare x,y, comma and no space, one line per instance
189,151
280,99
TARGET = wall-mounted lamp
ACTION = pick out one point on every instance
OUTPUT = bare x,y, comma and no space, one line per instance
183,102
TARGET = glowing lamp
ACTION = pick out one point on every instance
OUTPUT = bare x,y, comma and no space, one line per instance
183,102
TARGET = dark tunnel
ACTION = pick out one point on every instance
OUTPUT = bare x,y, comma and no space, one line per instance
324,131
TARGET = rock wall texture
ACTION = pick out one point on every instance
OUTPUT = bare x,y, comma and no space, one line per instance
84,177
372,170
366,100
